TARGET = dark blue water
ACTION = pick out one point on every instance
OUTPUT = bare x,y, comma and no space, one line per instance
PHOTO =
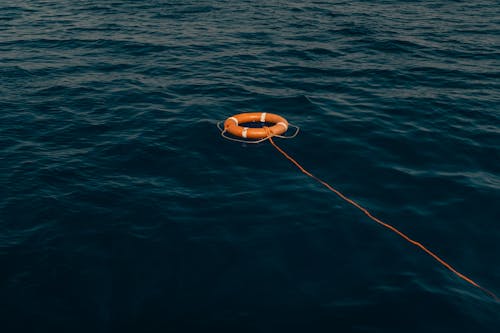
122,208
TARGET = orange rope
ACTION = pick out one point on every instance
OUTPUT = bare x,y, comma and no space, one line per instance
386,225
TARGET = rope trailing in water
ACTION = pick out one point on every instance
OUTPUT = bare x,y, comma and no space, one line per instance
384,224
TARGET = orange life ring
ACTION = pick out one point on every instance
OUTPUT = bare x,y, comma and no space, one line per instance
232,125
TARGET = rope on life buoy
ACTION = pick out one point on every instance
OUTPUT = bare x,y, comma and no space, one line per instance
232,126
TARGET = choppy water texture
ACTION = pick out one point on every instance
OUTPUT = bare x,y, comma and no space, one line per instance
122,209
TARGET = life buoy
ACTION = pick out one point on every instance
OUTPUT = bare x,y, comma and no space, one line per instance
232,125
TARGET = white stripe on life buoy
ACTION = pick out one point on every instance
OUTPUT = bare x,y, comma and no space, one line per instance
244,133
235,120
283,124
263,117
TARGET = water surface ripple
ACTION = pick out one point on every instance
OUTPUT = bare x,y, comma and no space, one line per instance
122,209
